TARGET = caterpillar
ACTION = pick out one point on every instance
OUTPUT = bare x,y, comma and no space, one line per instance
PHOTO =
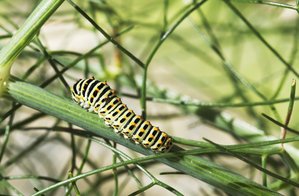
96,96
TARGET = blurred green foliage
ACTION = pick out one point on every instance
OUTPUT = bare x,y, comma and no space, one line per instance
223,62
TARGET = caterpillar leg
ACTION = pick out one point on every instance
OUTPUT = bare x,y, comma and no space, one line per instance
107,124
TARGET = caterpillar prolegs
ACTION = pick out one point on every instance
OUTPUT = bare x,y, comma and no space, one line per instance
98,97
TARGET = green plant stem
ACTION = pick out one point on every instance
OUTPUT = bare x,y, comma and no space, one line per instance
115,176
143,189
85,156
197,167
261,38
264,165
241,129
252,163
106,35
23,36
73,185
271,3
150,176
290,109
282,125
164,36
20,177
199,103
257,148
6,137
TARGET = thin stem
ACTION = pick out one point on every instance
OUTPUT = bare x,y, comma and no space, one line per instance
204,104
261,38
164,36
290,109
271,3
85,156
264,164
105,34
6,138
115,176
245,159
142,189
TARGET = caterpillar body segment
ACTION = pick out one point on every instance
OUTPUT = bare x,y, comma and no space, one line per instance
98,97
141,132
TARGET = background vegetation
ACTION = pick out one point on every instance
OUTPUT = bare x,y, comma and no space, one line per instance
218,76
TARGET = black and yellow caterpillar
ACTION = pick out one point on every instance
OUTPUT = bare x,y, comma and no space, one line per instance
98,97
